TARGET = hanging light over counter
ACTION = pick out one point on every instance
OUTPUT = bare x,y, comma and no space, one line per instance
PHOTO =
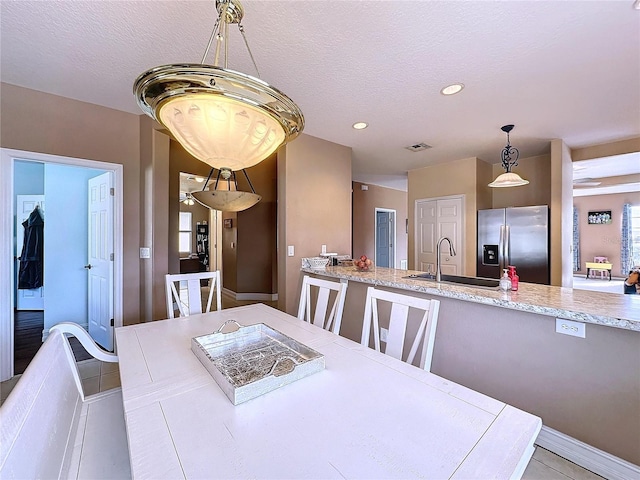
509,159
225,118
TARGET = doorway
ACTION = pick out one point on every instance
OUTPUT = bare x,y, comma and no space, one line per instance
385,238
437,218
62,169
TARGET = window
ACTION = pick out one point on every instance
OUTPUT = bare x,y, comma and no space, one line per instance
185,233
635,235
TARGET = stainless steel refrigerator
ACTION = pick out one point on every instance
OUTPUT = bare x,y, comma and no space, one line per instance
516,236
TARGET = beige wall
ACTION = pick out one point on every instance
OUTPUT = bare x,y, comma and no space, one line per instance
257,266
602,240
314,208
468,177
586,388
629,145
39,122
561,212
538,192
365,203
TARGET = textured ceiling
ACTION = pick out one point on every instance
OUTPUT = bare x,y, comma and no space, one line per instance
555,69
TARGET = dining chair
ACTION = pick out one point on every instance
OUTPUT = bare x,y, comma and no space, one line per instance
324,289
398,320
595,271
187,297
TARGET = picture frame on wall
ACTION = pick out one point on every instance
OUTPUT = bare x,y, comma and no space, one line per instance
228,222
602,217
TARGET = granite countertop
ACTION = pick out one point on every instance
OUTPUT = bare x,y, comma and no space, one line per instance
613,310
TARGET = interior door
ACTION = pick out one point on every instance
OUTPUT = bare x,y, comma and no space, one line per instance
449,225
100,262
385,255
426,231
437,218
32,299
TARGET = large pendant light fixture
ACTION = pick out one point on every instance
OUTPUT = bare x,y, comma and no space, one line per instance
225,196
510,157
225,118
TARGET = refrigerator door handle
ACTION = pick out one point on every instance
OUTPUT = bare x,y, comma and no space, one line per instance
501,252
507,246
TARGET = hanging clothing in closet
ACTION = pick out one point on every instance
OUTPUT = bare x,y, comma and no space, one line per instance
32,258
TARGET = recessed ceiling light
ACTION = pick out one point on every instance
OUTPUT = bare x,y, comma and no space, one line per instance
452,89
360,125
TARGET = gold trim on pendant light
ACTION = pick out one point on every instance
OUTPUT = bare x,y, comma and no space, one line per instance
509,159
227,119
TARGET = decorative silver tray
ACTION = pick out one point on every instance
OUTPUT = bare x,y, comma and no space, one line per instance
253,360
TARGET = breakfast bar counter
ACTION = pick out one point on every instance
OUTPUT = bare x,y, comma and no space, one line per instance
620,311
571,357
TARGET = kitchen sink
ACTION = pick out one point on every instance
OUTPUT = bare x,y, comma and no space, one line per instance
474,281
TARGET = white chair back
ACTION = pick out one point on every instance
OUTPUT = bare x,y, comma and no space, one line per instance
189,300
398,319
319,316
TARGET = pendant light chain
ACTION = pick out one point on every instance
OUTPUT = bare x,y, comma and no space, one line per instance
213,34
244,37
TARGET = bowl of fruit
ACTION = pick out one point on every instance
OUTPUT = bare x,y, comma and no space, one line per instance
363,264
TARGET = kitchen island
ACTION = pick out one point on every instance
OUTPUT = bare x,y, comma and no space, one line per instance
505,345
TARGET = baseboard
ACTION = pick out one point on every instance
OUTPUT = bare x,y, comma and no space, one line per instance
266,297
591,458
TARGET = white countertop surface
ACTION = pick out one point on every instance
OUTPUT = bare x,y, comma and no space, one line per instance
366,415
620,311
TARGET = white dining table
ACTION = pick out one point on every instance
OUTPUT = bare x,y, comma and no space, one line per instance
366,415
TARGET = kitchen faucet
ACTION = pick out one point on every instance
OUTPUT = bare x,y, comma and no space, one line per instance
452,252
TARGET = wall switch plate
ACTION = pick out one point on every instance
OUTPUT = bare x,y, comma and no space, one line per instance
384,334
568,327
290,251
145,252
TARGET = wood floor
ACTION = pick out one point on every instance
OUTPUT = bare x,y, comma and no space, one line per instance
28,326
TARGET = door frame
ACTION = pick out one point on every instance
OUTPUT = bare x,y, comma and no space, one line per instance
7,160
463,229
375,233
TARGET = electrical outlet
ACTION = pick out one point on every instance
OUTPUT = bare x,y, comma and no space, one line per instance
145,252
568,327
384,334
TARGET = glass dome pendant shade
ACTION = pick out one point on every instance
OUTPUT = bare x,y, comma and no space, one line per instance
227,119
227,198
509,159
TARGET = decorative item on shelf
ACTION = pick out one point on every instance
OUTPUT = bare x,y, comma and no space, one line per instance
227,119
225,196
363,264
509,158
600,218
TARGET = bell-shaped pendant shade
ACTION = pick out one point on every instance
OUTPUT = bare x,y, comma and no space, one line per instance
508,179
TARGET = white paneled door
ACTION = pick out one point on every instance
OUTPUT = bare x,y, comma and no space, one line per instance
32,299
437,218
100,262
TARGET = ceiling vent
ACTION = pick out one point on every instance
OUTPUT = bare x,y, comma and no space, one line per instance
418,147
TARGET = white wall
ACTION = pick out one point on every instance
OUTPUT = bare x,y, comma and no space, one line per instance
65,244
